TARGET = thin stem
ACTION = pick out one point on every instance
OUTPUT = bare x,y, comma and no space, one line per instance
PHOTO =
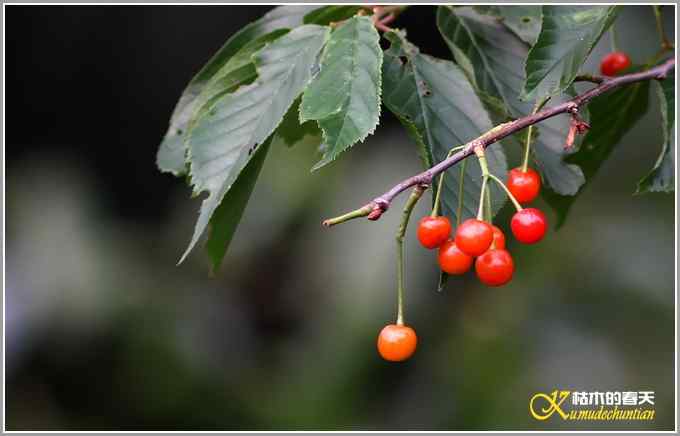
507,191
666,44
381,203
527,145
489,218
362,211
435,208
461,191
612,37
408,208
485,178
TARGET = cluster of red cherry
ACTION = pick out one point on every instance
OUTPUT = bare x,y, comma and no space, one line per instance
479,239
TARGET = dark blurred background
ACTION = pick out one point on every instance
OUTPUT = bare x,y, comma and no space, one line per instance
104,332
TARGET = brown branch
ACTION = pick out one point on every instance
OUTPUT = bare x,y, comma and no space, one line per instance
375,208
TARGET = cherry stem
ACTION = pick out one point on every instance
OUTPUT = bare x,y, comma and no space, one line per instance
507,191
376,207
440,185
401,232
527,145
461,192
666,44
479,151
612,37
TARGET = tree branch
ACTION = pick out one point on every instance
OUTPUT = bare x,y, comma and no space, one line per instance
375,208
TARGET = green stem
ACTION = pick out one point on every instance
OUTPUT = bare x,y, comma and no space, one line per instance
665,42
440,185
485,178
489,218
461,192
507,191
435,208
357,213
527,145
612,37
408,208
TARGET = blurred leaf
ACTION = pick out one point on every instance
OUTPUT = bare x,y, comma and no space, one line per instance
497,58
291,131
333,13
434,97
344,97
172,151
662,176
611,115
223,139
228,214
523,20
568,34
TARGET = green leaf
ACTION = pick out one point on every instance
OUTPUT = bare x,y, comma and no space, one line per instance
434,97
612,115
524,21
662,176
228,214
171,156
344,97
291,132
568,34
224,138
328,14
496,59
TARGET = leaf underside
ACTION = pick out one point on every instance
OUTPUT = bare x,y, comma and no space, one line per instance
344,98
433,97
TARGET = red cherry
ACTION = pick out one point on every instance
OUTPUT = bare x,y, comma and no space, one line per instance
495,267
614,62
498,238
433,231
397,342
524,185
474,237
528,225
452,260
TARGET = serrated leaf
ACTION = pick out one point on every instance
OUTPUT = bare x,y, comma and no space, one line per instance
435,97
496,57
568,34
344,98
612,115
662,176
228,214
171,155
524,21
333,13
224,138
290,131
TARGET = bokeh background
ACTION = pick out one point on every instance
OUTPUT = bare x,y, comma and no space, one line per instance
104,332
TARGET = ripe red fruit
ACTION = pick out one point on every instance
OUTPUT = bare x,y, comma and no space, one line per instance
495,267
528,225
474,237
614,62
397,342
524,186
433,231
452,260
498,238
